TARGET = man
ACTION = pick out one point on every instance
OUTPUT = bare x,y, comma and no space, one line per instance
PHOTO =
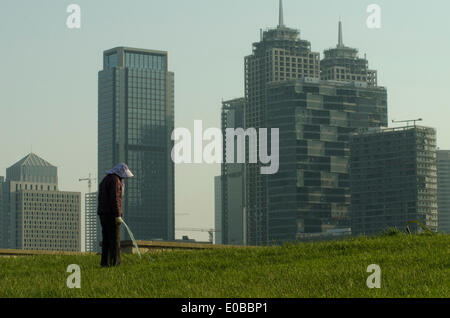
110,195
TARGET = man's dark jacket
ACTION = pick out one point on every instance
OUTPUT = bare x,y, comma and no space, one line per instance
110,196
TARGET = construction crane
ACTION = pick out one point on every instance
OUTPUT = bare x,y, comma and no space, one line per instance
89,180
210,232
414,121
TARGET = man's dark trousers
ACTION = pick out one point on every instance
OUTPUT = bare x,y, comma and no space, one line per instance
111,241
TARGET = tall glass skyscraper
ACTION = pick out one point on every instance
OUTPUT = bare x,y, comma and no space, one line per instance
135,123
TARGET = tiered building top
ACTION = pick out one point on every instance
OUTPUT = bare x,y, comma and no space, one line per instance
343,64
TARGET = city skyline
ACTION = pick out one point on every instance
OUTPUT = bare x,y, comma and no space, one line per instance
219,73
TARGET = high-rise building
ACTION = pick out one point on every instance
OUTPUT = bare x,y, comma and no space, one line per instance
36,215
232,178
287,87
443,169
310,194
92,227
393,179
2,215
135,123
218,238
280,55
343,64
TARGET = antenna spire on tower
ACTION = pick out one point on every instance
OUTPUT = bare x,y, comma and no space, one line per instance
281,17
340,40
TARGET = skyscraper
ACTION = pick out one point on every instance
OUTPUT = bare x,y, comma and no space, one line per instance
2,214
288,87
218,238
280,55
310,194
36,215
136,120
443,168
232,178
393,179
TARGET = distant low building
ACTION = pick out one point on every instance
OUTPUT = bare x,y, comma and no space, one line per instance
393,178
35,214
443,168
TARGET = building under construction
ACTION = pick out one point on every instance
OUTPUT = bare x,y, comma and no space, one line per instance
310,194
288,87
342,64
393,178
280,55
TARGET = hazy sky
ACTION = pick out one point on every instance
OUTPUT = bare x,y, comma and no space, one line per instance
48,86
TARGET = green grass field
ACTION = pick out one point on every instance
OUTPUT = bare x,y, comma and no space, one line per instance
412,266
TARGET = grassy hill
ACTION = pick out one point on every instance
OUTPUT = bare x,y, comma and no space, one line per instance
412,266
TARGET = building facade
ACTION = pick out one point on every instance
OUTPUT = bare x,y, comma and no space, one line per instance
218,238
136,120
92,227
36,215
393,179
2,214
288,87
342,64
310,194
443,169
232,178
280,55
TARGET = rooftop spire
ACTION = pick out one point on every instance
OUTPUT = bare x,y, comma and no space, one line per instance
281,18
340,41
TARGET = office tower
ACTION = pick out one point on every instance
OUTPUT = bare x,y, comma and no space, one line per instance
232,178
443,170
343,64
393,179
37,215
2,229
92,227
218,239
280,55
310,194
136,120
